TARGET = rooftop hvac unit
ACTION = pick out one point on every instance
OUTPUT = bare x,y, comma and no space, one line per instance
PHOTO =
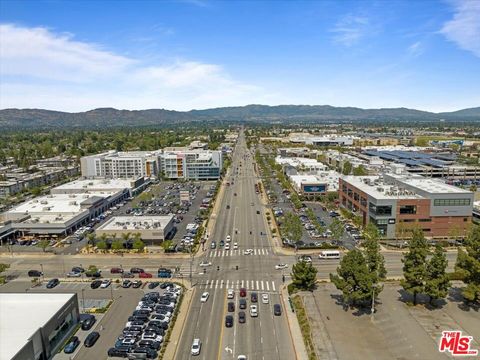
35,201
125,228
90,183
72,196
380,189
46,208
72,203
44,202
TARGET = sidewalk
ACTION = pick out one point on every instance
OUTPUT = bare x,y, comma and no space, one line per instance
176,334
294,327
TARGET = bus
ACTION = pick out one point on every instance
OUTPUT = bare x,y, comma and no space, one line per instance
329,254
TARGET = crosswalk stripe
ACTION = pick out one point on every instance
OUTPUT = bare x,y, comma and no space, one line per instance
216,284
221,284
247,285
273,286
238,282
252,284
266,251
242,284
268,286
257,285
226,286
262,284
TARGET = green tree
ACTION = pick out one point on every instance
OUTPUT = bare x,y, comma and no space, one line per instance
347,168
304,275
292,227
374,259
43,244
92,269
414,265
437,282
138,244
117,245
3,267
126,237
468,264
360,171
91,239
337,229
353,279
102,245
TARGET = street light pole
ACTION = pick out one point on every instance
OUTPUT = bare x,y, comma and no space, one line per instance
43,276
83,300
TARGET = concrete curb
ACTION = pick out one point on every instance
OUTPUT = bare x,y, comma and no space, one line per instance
294,328
177,332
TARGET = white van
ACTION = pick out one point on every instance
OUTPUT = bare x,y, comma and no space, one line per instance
329,254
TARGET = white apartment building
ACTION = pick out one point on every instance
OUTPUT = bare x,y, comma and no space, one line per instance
191,164
123,165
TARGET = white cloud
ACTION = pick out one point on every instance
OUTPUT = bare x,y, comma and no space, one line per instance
40,68
464,28
415,49
350,29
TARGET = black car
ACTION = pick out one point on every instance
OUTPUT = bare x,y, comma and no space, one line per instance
121,352
91,339
231,307
254,297
136,270
95,284
154,345
35,273
71,345
143,318
78,269
88,322
52,283
229,321
151,354
136,284
157,330
242,303
277,310
241,317
153,285
160,324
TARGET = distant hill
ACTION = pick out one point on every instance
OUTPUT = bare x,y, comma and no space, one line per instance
11,119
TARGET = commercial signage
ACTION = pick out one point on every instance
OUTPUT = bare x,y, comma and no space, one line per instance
314,188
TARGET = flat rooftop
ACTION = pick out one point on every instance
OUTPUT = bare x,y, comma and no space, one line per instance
432,186
97,184
136,223
22,314
376,188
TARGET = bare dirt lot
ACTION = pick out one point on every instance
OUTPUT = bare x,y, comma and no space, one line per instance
397,330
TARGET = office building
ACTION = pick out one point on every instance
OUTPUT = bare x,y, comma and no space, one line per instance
191,164
34,326
396,203
317,184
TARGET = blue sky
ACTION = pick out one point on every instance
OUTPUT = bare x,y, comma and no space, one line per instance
79,55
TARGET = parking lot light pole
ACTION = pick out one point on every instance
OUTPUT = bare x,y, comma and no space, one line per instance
83,300
43,276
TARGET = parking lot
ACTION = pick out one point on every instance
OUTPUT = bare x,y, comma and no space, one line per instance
110,325
413,332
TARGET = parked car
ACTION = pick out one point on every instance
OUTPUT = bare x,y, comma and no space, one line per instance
105,283
78,269
88,322
126,284
95,284
243,292
74,274
116,270
71,345
91,339
34,273
145,275
136,284
153,285
136,270
52,283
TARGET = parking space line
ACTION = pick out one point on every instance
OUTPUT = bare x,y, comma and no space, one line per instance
273,286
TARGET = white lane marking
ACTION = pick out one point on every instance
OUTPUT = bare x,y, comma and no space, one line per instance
242,284
273,286
221,284
257,287
262,284
252,285
268,286
216,284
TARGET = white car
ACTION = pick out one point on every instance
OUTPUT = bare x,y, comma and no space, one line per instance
228,238
253,311
248,252
230,294
152,336
281,266
105,283
242,357
265,298
74,274
235,246
196,346
205,264
204,297
227,246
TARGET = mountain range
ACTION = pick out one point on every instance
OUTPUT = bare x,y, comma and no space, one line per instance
18,119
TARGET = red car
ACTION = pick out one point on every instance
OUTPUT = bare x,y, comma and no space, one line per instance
243,292
116,270
145,275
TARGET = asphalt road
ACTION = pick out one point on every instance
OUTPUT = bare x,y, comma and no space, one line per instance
264,337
